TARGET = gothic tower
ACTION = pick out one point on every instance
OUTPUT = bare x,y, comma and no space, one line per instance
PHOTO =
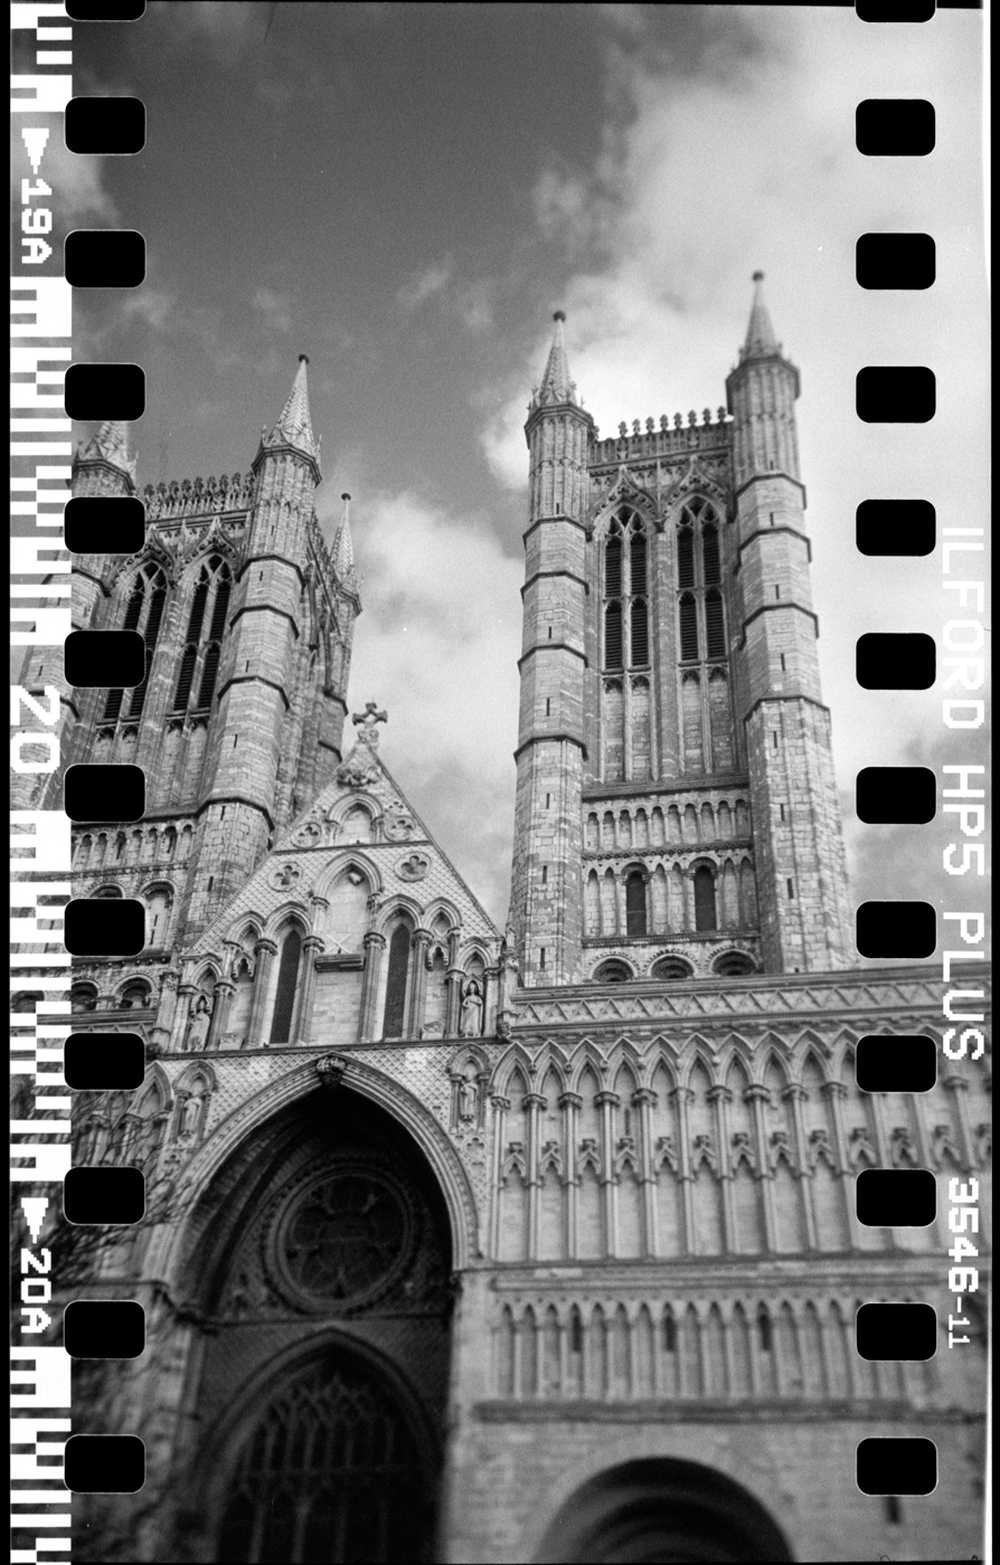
676,806
248,620
551,753
800,862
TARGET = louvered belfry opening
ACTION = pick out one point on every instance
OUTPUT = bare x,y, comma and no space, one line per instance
143,613
626,585
715,634
613,636
204,636
216,631
701,614
627,648
689,628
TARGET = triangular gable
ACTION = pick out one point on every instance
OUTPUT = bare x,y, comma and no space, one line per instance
362,815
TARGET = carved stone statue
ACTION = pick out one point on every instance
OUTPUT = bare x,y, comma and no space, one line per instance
191,1117
198,1026
468,1099
471,1021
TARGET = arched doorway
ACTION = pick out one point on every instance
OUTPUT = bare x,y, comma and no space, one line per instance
657,1511
321,1263
333,1471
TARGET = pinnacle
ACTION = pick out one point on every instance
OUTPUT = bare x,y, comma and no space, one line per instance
760,339
110,445
556,385
294,425
343,543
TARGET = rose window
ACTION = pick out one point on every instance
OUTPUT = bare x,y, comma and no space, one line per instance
345,1237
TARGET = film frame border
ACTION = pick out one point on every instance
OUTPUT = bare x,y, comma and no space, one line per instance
884,394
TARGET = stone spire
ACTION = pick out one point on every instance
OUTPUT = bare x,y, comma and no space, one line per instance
343,544
294,425
109,445
556,385
761,341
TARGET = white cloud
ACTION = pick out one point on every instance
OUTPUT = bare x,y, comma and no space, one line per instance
274,308
157,308
426,284
437,644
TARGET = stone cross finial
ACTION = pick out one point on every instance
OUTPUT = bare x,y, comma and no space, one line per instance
366,723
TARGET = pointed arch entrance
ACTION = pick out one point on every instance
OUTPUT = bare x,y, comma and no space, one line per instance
322,1266
658,1511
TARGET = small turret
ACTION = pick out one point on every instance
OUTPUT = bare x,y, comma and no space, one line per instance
293,429
343,546
761,341
103,464
556,385
761,393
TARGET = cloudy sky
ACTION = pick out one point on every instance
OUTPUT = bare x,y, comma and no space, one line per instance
406,192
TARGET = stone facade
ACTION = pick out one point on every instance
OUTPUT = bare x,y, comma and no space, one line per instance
556,1256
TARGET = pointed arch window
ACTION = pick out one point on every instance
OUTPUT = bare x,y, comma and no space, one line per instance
635,905
709,730
331,1468
143,613
396,982
699,578
626,587
216,631
206,629
705,917
286,987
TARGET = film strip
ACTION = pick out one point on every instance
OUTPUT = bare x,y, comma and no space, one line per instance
52,927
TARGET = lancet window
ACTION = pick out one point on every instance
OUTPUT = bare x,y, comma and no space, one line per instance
626,593
143,613
701,614
397,975
626,653
286,986
707,728
206,628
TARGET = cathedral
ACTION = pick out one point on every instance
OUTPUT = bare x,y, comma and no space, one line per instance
527,1245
